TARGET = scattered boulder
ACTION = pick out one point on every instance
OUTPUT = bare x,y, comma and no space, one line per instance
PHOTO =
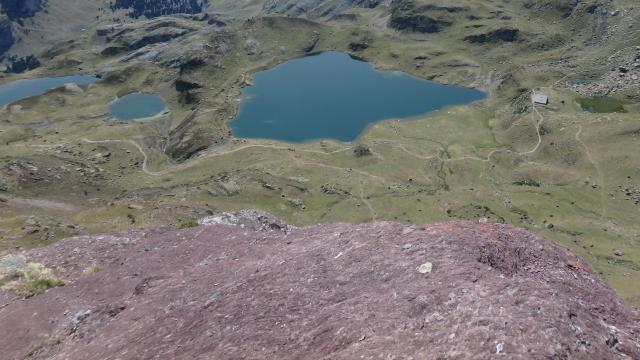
361,150
330,189
254,220
632,192
425,268
296,203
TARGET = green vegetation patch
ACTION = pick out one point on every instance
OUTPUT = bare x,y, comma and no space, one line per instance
602,104
188,224
26,278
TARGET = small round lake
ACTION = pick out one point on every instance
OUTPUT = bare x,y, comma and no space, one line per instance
137,106
22,89
332,95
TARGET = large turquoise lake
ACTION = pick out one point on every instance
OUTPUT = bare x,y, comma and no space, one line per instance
22,89
332,95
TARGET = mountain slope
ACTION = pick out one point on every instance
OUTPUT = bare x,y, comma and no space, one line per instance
67,168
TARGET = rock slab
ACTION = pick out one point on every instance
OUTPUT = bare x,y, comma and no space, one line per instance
332,291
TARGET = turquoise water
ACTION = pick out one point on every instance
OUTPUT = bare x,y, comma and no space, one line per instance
22,89
137,106
332,95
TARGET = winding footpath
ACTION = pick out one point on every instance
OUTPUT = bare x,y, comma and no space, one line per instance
135,144
603,195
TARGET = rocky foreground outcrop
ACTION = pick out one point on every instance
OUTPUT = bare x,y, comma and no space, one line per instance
260,289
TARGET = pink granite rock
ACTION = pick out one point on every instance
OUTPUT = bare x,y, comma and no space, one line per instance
334,291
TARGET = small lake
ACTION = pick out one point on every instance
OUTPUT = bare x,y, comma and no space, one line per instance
22,89
137,106
332,95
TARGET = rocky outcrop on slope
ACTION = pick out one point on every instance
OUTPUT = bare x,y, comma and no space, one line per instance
16,64
154,8
191,136
495,36
406,15
18,10
317,8
263,290
142,33
563,8
167,41
6,35
14,11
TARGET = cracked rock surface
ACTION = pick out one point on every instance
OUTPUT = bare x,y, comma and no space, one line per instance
331,291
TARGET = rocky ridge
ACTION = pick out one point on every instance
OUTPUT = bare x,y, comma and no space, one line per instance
155,8
262,289
317,8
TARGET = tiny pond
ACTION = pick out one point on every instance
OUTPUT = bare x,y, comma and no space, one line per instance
137,106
